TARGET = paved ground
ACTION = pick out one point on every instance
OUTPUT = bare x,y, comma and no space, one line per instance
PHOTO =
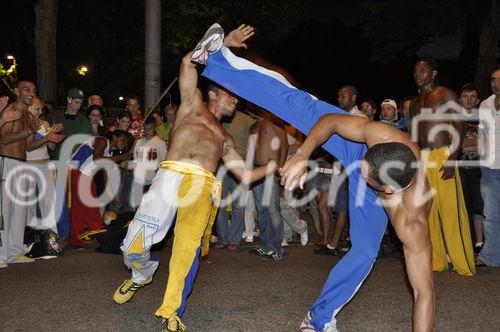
233,292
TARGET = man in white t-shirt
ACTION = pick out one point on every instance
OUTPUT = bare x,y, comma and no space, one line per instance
149,152
490,179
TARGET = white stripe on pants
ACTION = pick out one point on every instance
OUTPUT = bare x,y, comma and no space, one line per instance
14,209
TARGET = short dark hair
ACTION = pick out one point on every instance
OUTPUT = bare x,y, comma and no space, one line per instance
495,68
157,112
430,61
371,103
378,155
118,133
136,97
95,107
468,87
125,114
150,120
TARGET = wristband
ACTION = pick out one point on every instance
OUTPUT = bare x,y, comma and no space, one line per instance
38,136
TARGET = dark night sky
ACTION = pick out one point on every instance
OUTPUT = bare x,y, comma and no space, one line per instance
323,48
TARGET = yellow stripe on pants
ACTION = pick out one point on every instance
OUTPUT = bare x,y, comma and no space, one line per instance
198,198
448,219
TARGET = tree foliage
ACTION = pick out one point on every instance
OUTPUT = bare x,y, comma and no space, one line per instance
402,26
108,36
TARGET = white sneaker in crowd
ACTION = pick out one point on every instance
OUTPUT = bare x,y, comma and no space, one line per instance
284,243
249,239
3,264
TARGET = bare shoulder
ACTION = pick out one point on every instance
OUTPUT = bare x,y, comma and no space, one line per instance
438,96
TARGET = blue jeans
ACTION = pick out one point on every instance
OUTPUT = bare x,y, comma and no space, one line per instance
267,201
490,191
230,231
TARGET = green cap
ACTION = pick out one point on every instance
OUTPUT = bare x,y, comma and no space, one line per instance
76,93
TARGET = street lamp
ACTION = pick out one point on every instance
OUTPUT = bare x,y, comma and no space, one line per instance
9,76
82,70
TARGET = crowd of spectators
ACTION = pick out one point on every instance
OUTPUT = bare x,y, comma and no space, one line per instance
33,138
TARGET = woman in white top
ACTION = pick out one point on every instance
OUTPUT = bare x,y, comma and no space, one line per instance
41,192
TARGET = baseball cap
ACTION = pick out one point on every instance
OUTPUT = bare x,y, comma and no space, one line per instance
389,102
75,93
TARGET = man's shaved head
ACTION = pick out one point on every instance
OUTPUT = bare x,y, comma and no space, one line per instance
347,97
25,91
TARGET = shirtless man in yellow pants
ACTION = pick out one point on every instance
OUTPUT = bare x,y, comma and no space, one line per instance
186,184
448,220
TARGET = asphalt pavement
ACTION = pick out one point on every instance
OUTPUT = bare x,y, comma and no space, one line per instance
234,291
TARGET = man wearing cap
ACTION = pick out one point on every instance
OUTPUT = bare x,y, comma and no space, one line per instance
389,114
74,122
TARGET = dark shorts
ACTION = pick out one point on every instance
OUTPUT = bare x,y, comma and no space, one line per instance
471,187
322,182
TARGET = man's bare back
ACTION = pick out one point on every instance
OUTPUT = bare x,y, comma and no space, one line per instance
407,207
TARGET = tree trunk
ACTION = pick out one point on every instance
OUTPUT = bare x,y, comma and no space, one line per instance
488,46
152,52
45,47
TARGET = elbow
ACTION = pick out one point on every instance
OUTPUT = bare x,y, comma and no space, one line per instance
244,177
186,60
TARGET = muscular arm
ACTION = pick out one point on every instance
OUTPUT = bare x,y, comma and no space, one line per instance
353,128
188,80
417,250
190,94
